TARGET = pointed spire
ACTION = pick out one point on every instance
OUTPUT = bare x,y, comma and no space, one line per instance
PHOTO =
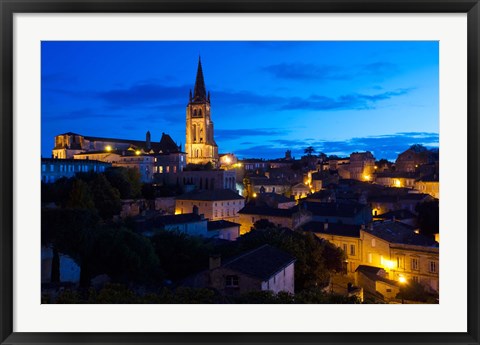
199,92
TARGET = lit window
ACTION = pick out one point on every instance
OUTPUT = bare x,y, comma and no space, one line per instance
370,258
51,168
44,167
352,249
160,169
345,248
168,169
231,281
373,242
433,267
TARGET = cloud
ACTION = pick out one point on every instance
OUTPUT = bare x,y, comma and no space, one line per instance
382,146
354,101
303,71
261,151
143,93
307,71
234,134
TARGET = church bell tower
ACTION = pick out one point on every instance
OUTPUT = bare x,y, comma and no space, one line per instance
200,145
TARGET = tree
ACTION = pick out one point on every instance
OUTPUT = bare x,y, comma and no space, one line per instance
310,268
71,232
180,254
127,181
309,150
124,256
106,198
80,195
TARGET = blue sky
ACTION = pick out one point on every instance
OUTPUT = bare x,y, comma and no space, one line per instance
266,97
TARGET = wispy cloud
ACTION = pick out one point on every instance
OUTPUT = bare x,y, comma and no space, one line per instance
144,93
354,101
307,71
382,146
234,134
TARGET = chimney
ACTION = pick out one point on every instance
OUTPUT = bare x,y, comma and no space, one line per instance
214,261
147,141
325,226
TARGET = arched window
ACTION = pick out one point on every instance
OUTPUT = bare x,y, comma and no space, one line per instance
195,113
196,154
199,112
194,133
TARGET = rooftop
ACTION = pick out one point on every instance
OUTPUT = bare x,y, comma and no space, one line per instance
268,211
211,195
399,233
262,262
331,209
220,224
337,229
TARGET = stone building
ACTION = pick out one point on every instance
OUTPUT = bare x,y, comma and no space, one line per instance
362,166
213,204
200,144
265,268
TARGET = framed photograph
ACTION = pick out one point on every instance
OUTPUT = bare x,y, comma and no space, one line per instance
239,172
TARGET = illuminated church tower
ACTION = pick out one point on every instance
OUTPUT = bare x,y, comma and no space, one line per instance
200,145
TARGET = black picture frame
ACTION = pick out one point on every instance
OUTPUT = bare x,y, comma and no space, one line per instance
9,7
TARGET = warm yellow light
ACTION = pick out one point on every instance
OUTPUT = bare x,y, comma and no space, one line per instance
137,152
389,264
366,177
397,183
254,195
239,165
178,212
416,231
108,148
376,167
402,279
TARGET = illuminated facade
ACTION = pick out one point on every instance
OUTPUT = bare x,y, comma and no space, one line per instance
200,144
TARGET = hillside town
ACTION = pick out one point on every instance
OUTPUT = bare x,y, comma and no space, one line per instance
154,221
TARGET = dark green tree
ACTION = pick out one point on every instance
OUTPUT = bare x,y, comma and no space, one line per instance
309,151
127,181
106,197
310,267
80,195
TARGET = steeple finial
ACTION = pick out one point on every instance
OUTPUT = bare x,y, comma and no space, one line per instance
199,92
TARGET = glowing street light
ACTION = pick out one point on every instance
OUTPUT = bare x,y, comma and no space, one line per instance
108,148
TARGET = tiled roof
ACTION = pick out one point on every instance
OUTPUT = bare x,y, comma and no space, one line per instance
399,233
262,262
398,214
177,219
220,224
331,209
373,273
268,211
274,196
347,230
211,195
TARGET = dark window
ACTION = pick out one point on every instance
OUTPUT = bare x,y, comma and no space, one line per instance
231,281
